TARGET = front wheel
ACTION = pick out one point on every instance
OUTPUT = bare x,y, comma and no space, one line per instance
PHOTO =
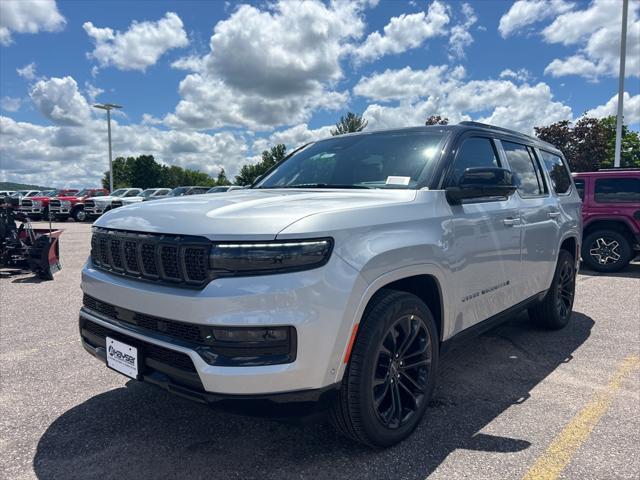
554,311
79,215
606,251
391,373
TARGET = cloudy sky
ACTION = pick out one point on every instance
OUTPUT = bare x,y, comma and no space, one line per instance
210,84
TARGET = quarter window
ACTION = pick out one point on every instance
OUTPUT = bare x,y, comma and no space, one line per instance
617,190
474,152
579,187
524,169
558,172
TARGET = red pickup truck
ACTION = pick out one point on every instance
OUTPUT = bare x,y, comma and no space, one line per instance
38,206
61,208
610,217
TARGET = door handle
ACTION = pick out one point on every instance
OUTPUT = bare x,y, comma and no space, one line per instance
511,221
554,214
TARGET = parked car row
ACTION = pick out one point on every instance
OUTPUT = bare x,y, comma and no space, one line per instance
90,203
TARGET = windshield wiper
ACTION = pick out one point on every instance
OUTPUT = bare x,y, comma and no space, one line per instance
319,185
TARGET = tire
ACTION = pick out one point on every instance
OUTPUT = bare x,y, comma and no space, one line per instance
554,311
374,364
606,251
45,214
79,215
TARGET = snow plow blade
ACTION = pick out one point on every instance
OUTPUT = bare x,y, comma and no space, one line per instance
44,255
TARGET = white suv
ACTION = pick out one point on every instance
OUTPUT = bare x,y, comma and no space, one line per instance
340,275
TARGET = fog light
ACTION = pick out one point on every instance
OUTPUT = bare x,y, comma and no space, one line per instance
251,335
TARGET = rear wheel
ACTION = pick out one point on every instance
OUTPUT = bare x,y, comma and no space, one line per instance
555,310
390,376
606,251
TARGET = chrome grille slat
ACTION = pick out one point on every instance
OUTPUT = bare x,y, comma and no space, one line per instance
169,259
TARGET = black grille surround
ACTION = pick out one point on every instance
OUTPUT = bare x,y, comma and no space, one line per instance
54,204
175,260
27,203
200,338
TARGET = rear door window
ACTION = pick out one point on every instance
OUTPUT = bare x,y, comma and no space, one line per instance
558,173
523,167
617,190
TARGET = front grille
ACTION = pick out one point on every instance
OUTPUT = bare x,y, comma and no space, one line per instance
160,354
180,330
54,204
170,259
116,203
27,203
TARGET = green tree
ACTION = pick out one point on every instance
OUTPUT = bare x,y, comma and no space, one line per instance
630,147
437,120
350,123
584,144
249,173
222,178
120,174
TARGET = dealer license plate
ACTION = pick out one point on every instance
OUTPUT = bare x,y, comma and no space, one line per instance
122,357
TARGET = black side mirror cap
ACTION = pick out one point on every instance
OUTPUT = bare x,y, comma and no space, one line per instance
482,182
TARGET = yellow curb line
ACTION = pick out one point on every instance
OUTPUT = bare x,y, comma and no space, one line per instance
564,446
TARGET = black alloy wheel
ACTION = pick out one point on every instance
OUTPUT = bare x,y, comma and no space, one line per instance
400,378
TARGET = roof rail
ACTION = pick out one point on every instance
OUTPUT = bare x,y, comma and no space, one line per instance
499,129
618,169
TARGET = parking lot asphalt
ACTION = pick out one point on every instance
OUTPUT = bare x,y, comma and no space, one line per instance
516,402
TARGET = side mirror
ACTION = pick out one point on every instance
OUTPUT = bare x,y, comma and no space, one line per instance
480,182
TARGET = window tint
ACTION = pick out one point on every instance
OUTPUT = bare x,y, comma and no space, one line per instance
381,160
474,152
132,193
99,194
579,187
610,190
524,170
558,173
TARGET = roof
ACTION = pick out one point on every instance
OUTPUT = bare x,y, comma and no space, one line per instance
609,172
462,126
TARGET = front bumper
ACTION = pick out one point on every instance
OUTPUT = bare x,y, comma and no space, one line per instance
320,304
60,210
33,210
95,210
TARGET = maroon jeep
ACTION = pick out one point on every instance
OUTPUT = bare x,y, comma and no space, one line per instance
610,216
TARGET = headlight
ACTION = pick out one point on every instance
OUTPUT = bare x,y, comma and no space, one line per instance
269,257
65,203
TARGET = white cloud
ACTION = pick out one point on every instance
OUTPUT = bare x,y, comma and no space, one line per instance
460,37
631,108
59,100
596,32
288,66
28,72
293,138
404,32
92,91
522,74
139,47
444,91
10,104
526,12
28,16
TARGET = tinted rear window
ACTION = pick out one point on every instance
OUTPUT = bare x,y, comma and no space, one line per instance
580,187
560,179
617,190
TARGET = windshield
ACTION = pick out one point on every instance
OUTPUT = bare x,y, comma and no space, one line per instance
382,160
217,189
176,192
147,193
118,192
82,193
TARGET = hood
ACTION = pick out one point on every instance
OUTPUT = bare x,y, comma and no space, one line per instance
66,197
250,214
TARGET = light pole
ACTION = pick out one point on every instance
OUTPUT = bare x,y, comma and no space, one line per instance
623,50
108,107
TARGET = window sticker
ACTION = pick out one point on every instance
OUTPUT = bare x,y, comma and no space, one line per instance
398,180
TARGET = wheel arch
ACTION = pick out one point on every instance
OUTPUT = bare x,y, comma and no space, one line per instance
619,225
425,281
